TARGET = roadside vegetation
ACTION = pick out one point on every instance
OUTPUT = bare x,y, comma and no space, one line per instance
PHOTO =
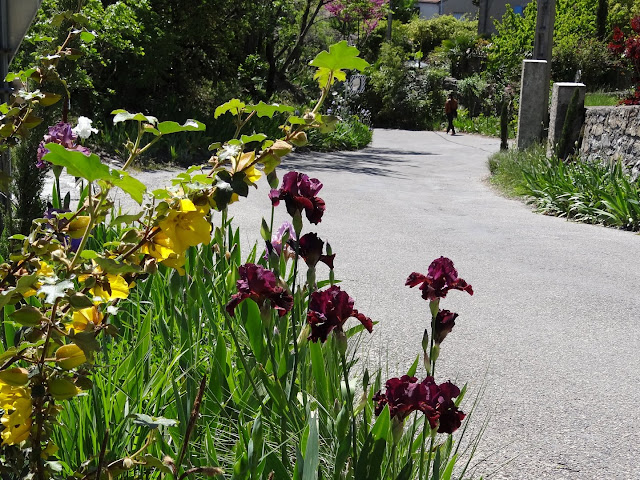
599,193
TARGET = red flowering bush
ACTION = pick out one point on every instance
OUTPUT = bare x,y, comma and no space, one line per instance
629,49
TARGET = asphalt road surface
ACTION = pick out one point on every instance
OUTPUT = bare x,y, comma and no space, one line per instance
551,333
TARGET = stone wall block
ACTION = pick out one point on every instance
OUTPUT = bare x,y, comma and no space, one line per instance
612,133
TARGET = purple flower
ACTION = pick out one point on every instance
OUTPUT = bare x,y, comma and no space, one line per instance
441,277
62,134
299,193
445,321
405,395
329,310
260,285
310,249
276,238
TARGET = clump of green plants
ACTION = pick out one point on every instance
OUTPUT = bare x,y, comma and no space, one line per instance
587,192
145,345
403,97
481,124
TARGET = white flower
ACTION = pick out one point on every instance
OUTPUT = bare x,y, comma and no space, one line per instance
83,129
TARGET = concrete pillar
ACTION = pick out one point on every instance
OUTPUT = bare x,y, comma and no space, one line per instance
560,99
533,107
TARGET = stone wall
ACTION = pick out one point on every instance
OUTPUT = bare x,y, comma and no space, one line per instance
612,133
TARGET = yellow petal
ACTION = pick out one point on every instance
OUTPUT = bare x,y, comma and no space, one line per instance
81,318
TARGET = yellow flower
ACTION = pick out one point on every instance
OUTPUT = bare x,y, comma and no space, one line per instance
16,403
45,270
118,286
186,228
176,261
81,318
159,247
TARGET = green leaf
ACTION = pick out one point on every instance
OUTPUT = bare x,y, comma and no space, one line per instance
412,371
87,36
49,99
319,372
89,254
152,422
79,300
27,316
331,64
265,110
340,56
250,314
446,475
311,452
108,265
436,466
77,163
123,116
293,120
130,185
382,428
189,126
234,106
258,137
127,219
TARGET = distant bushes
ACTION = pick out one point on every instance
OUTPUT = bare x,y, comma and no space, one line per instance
400,96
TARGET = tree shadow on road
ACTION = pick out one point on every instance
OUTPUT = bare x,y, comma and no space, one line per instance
370,161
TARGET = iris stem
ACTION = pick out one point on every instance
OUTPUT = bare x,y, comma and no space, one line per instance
350,406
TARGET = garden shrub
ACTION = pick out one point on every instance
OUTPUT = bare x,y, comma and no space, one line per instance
403,97
427,34
587,192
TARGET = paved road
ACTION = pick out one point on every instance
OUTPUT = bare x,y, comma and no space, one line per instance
551,332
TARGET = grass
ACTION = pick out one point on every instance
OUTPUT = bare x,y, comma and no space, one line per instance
596,193
482,125
601,99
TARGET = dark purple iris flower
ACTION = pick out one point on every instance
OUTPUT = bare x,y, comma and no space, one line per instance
62,134
260,285
441,277
310,249
405,395
329,310
445,321
299,193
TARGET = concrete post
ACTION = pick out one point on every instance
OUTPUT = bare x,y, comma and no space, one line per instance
560,99
533,108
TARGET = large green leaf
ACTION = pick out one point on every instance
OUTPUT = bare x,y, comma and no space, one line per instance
189,126
123,116
130,185
340,56
77,163
265,110
234,106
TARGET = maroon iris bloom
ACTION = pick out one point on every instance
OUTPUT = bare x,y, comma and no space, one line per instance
310,249
405,395
329,310
260,285
299,193
441,277
445,321
62,134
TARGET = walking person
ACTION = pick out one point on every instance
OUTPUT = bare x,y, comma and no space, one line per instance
451,110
